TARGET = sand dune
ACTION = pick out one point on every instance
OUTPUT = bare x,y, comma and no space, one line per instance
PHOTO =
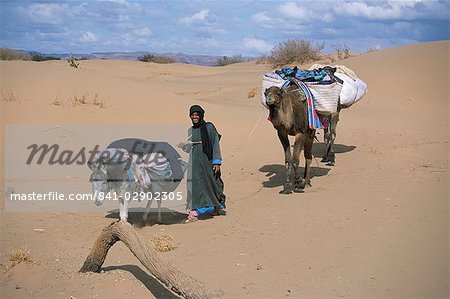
373,226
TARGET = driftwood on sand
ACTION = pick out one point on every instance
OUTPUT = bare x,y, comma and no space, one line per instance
173,279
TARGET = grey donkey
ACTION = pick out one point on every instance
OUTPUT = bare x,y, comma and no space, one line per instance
108,175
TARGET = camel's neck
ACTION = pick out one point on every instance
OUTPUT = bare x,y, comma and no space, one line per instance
283,116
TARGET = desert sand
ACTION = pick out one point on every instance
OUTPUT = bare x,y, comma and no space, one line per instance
375,225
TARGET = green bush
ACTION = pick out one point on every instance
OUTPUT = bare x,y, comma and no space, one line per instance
9,54
156,59
72,61
295,51
225,60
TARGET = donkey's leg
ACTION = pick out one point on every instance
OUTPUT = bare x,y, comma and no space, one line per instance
123,208
159,210
283,136
309,139
298,146
148,206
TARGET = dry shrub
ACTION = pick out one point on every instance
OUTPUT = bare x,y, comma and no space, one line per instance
163,242
9,54
342,50
8,96
99,102
373,49
225,60
156,59
262,60
295,51
80,100
18,256
252,93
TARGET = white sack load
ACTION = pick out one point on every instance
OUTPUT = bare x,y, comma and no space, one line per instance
362,89
269,80
326,97
352,90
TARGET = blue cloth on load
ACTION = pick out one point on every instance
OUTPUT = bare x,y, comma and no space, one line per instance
130,174
316,75
313,117
208,209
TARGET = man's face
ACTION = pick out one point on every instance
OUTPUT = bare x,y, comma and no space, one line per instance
195,117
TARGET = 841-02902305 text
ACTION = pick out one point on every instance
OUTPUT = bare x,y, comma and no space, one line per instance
58,196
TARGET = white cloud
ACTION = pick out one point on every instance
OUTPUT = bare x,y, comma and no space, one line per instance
48,13
204,23
259,45
261,18
199,17
292,10
89,37
395,10
142,32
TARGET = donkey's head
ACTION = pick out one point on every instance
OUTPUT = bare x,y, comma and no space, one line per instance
99,180
273,96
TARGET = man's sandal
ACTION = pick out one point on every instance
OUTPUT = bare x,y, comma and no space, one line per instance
191,219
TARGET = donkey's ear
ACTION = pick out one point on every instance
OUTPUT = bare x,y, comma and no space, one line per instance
91,165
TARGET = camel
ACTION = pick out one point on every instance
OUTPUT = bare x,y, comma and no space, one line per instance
288,113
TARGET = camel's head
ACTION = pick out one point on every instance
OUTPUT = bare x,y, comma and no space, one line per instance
99,181
273,95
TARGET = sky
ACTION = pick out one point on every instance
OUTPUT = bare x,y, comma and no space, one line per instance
248,28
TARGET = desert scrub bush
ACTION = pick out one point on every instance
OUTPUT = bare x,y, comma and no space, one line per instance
163,242
262,60
225,60
342,50
295,51
39,57
252,93
8,95
99,102
79,101
72,61
373,49
156,58
9,54
18,256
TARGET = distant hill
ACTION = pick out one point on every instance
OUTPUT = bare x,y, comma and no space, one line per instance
206,60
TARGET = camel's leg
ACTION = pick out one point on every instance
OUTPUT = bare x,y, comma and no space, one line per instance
330,137
327,140
308,157
298,147
287,161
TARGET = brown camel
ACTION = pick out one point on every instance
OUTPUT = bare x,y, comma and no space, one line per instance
289,116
